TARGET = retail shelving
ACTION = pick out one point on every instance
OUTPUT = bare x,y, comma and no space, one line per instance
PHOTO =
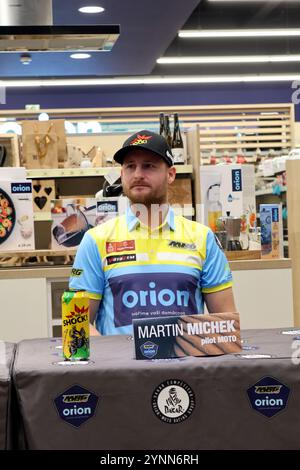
263,192
86,172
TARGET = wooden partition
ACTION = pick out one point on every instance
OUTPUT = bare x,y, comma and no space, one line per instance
293,204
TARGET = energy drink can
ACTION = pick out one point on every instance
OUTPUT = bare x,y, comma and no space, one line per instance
75,325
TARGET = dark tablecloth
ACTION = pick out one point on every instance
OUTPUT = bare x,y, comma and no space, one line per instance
121,389
6,359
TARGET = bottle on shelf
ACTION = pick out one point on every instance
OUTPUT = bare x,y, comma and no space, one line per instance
240,158
227,158
177,143
213,158
161,124
167,130
214,207
258,156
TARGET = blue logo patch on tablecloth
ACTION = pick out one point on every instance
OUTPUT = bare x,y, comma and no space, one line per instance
76,405
268,396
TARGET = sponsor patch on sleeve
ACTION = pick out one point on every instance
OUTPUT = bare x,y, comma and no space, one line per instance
76,272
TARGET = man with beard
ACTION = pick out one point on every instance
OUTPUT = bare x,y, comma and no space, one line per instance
149,262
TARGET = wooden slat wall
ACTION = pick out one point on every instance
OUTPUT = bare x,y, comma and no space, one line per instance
229,128
248,128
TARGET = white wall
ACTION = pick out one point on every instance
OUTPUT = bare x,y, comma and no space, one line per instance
23,310
264,298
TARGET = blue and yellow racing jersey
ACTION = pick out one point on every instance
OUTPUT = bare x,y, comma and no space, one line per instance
136,272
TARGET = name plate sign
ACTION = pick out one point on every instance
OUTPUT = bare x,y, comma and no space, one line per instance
187,335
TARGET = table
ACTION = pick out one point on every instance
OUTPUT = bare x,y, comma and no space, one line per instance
117,402
7,351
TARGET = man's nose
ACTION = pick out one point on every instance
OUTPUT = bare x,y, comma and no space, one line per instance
138,172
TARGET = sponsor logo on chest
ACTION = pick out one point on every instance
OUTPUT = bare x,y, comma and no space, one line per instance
182,245
120,259
124,245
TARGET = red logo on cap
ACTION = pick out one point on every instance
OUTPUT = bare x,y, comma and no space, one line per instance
141,139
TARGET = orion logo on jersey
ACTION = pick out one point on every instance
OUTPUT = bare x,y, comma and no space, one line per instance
145,295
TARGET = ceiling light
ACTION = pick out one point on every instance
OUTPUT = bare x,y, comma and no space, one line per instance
251,1
156,80
80,55
238,33
91,9
43,117
239,59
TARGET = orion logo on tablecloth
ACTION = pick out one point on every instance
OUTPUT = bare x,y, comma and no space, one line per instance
76,405
268,396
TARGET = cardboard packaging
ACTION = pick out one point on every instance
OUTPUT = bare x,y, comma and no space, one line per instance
43,193
228,190
44,143
16,216
271,231
71,218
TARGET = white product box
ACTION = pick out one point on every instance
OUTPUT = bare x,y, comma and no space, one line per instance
12,173
71,218
271,231
228,190
110,207
16,216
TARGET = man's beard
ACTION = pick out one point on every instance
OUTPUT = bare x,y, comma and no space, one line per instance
146,199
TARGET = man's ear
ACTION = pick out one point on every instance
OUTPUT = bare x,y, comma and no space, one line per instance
171,174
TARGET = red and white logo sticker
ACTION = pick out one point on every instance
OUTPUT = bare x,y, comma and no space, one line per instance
125,245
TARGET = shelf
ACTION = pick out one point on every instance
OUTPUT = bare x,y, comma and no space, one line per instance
82,172
34,253
41,216
262,192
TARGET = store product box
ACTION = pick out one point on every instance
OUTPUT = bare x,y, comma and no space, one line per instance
16,216
71,218
271,231
43,193
12,173
228,190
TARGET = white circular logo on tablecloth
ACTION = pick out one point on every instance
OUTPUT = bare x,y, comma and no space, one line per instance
173,401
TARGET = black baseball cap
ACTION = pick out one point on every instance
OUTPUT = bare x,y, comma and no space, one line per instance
149,141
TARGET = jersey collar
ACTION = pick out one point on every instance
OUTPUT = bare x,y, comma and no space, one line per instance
133,222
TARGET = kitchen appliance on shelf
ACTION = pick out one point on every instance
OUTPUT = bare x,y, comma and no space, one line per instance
230,230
